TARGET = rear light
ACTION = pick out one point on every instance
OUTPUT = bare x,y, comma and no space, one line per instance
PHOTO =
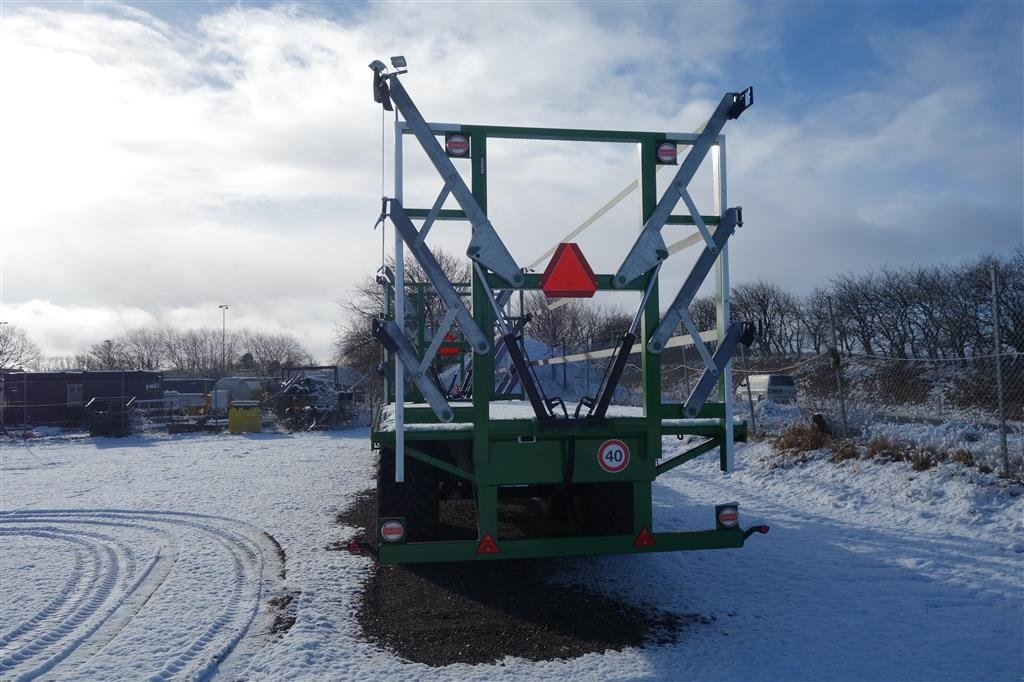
392,530
727,515
457,145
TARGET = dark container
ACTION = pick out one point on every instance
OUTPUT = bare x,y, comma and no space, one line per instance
189,385
138,384
42,399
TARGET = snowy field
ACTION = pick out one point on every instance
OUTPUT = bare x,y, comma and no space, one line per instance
154,557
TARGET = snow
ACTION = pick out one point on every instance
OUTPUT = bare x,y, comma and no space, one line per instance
146,557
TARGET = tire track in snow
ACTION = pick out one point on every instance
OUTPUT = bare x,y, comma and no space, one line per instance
112,594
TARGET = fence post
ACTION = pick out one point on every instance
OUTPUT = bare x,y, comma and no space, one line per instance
565,369
998,357
839,369
750,397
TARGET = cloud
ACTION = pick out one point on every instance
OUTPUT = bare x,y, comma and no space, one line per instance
153,169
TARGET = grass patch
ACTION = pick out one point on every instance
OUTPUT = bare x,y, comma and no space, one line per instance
801,439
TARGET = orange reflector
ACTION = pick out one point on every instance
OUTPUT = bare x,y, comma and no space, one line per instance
568,275
446,351
487,545
643,539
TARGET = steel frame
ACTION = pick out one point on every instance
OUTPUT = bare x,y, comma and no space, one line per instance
498,455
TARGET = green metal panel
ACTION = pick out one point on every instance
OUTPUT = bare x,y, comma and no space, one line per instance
604,283
424,552
688,220
443,214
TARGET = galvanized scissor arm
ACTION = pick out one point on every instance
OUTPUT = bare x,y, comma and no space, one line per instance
649,248
739,332
452,301
392,338
732,218
485,247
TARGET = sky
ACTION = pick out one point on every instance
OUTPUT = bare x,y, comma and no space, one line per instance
160,159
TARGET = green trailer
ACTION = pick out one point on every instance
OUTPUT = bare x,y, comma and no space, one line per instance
476,461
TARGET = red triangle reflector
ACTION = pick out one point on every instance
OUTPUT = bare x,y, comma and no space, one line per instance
643,539
487,545
568,275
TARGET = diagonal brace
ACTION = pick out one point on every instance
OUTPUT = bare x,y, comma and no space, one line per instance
485,247
739,332
674,315
450,297
392,338
649,248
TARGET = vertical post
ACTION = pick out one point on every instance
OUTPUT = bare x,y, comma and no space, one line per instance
643,514
720,197
998,357
686,370
483,364
223,337
399,318
750,396
565,369
122,432
839,370
589,347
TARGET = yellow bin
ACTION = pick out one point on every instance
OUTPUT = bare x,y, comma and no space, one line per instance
244,416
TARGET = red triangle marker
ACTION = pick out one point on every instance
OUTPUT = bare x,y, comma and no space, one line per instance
568,274
487,545
643,539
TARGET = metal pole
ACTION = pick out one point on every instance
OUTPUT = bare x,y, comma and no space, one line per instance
590,346
998,353
399,319
565,370
839,370
720,199
223,338
750,397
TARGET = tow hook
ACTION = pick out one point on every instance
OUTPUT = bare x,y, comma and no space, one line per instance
754,529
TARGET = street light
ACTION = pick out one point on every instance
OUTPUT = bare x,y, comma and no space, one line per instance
223,336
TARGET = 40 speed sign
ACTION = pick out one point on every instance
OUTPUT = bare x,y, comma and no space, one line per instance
613,456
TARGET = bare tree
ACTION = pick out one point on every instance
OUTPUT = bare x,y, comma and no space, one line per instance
272,352
16,348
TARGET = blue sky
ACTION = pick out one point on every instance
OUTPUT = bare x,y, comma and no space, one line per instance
162,158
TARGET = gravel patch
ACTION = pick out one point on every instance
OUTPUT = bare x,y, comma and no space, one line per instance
483,612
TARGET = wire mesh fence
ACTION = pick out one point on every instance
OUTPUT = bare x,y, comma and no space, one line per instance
949,401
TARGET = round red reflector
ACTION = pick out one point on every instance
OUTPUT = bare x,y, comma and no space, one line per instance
728,516
392,531
667,152
457,145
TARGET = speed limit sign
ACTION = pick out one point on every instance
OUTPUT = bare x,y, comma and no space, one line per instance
613,456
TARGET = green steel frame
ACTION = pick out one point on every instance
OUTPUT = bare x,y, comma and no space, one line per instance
511,452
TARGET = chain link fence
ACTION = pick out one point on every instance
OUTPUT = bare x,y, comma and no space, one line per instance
952,403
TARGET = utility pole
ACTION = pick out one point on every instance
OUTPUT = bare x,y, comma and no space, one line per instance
839,370
998,353
223,338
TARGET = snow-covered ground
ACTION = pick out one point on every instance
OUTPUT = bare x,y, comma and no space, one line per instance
152,557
